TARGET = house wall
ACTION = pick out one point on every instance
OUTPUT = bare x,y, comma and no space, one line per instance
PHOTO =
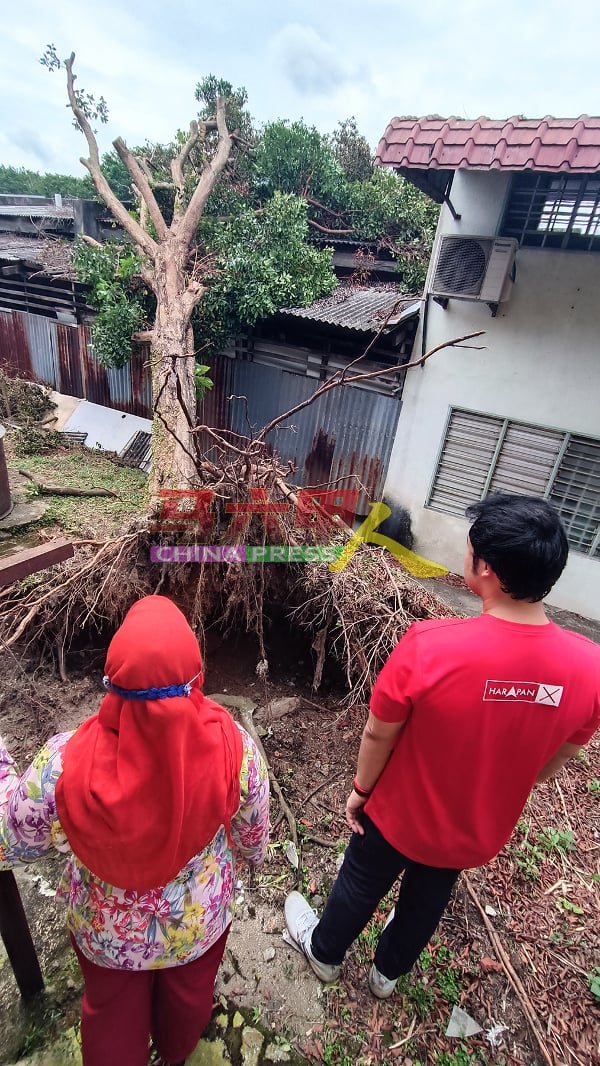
540,364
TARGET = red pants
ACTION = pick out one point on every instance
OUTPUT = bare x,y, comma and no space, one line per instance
122,1009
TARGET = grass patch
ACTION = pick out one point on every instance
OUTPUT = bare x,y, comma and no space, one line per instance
94,516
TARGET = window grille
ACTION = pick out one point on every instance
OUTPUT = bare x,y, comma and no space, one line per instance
484,453
554,211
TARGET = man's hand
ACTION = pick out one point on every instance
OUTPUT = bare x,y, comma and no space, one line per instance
556,763
354,805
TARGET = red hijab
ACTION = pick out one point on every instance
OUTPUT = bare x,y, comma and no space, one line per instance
148,781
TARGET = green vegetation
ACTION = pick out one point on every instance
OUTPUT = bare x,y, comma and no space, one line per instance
416,994
283,185
594,982
346,194
530,854
23,401
462,1057
83,468
334,1053
554,840
564,904
22,182
121,308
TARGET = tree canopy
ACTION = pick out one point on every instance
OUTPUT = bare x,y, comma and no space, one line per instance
284,184
218,237
23,182
199,255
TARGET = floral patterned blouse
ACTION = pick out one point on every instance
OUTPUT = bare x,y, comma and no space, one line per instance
113,927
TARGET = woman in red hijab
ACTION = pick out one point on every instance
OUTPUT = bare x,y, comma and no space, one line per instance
151,798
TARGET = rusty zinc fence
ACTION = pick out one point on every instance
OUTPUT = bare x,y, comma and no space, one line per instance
60,356
342,440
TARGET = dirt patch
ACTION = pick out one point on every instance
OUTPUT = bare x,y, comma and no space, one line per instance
262,974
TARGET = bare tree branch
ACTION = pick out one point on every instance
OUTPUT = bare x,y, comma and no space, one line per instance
224,443
323,207
336,381
143,208
188,224
147,169
391,313
180,160
192,296
142,185
325,229
92,164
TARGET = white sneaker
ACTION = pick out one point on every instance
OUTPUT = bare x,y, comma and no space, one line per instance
301,919
382,987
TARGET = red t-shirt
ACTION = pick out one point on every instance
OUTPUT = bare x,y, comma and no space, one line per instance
486,703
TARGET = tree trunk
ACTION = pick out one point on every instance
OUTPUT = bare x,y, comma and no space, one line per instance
173,379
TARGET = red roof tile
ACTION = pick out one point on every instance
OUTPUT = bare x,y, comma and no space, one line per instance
551,144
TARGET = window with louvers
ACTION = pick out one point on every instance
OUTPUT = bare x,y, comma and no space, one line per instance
482,454
575,493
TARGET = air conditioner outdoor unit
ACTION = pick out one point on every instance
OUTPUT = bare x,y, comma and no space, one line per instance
474,268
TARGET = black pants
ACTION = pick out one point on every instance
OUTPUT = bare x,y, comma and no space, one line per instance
370,868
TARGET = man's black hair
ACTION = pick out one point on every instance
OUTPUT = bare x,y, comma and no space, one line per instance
523,540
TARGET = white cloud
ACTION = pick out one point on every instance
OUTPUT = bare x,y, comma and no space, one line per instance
307,61
321,61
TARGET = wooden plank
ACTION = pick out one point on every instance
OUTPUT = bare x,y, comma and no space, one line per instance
17,938
14,929
17,566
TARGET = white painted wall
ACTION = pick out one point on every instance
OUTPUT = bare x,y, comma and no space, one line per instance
541,364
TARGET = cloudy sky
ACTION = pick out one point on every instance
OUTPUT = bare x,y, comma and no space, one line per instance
321,60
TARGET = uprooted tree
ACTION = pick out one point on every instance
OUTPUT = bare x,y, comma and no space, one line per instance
188,244
219,239
177,262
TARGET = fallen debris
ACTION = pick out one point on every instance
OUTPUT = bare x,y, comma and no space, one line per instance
461,1024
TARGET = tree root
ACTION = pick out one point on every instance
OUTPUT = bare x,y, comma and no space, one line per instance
61,490
321,841
323,784
355,616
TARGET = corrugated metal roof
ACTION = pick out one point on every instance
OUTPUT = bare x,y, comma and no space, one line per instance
364,309
549,144
53,255
36,210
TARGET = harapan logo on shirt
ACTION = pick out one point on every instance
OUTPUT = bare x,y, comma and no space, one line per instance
523,692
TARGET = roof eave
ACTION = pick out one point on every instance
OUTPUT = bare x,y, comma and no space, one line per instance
409,312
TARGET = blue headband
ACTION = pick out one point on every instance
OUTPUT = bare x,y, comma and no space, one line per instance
163,693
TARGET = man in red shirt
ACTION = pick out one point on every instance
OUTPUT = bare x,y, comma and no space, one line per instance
466,717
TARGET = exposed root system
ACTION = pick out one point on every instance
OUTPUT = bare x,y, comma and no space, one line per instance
354,617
